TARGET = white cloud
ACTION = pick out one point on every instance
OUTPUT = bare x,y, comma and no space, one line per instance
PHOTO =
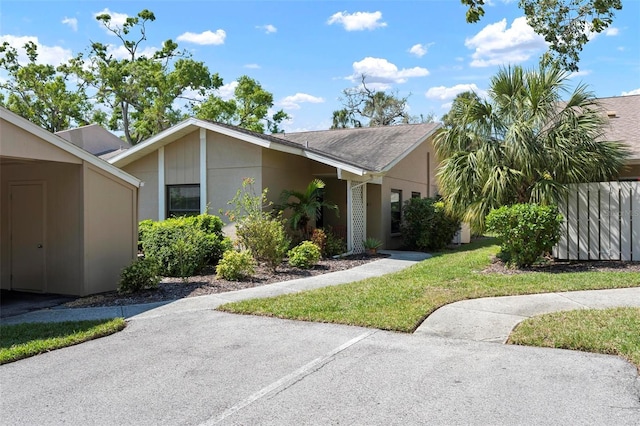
226,90
611,31
632,92
268,29
358,21
418,50
445,93
204,38
580,73
252,66
294,101
117,19
383,72
496,44
71,22
53,55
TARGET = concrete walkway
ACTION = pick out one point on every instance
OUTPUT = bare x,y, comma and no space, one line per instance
492,319
485,320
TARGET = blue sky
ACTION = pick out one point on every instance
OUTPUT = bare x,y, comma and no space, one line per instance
307,52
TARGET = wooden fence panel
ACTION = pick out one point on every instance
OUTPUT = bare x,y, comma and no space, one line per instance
602,222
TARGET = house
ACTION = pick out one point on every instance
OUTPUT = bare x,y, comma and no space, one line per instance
68,220
197,166
623,115
95,139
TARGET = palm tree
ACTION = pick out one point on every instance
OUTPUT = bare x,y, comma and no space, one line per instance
308,206
522,144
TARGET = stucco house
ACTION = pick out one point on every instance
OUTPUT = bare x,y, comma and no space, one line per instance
68,220
623,115
197,166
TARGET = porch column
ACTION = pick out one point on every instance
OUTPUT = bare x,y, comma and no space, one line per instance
161,186
356,215
203,170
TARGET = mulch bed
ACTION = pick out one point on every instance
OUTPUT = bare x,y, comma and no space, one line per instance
207,283
561,266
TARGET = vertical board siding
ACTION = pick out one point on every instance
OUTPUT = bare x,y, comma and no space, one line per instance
601,222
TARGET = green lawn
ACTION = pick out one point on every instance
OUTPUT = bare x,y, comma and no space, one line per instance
613,331
24,340
400,301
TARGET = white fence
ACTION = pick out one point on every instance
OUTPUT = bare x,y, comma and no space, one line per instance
602,222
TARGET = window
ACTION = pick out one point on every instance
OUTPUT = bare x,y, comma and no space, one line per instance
416,195
396,210
183,200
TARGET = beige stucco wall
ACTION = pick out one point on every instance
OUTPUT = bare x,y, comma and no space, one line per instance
63,222
182,160
414,173
18,143
146,169
375,227
110,229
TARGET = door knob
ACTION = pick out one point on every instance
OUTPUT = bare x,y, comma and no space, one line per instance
39,245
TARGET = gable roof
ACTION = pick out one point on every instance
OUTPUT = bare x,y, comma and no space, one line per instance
94,138
623,114
372,148
351,150
66,146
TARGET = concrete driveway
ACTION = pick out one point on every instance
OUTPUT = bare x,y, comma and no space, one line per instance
207,367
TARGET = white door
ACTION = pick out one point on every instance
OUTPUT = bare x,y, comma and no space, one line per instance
27,236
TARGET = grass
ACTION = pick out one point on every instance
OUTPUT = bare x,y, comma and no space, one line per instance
24,340
613,331
400,301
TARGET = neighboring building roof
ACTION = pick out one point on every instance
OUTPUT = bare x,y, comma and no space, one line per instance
94,139
356,155
65,145
623,113
359,151
372,148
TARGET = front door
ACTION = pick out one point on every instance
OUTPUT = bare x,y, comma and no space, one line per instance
27,206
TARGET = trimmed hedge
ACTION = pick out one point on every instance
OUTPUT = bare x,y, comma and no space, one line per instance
426,225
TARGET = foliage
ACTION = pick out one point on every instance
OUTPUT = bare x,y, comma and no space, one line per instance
265,238
372,243
308,206
368,107
140,90
249,108
319,238
40,92
19,341
304,255
526,231
566,25
400,301
142,274
523,144
257,230
426,224
235,265
335,245
182,246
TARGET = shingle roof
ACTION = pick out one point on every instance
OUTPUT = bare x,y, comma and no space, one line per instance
372,148
624,121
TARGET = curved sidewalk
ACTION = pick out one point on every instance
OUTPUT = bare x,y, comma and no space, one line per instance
396,261
492,319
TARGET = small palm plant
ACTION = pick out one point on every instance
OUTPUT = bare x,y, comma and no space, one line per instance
372,245
308,206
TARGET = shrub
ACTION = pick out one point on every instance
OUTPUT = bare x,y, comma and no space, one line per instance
143,227
525,231
334,245
304,255
265,238
142,274
426,225
319,238
182,246
235,265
